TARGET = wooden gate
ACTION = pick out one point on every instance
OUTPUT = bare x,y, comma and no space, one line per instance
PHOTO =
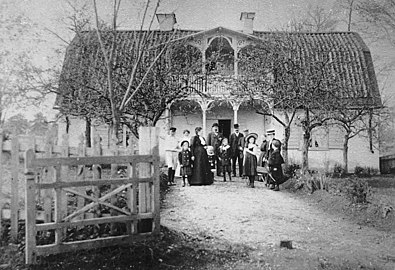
126,196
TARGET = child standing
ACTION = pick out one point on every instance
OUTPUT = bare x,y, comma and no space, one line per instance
211,158
225,156
275,165
250,158
185,159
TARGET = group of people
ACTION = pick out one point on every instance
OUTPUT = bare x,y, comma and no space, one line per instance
192,158
199,158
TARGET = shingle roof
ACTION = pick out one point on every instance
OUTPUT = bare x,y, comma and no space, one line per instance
354,66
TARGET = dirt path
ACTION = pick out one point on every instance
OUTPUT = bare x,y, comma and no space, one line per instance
260,218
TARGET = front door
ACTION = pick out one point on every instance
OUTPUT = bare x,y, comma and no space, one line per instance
224,127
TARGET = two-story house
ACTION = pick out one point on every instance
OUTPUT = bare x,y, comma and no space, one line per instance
353,68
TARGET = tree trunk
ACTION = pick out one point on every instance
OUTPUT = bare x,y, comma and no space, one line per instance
115,123
88,129
306,142
287,134
67,124
305,151
345,151
350,10
370,131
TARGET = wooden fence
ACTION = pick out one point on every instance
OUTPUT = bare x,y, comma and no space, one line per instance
65,181
45,146
11,189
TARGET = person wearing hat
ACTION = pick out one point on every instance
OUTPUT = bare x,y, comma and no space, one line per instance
186,136
185,161
241,144
270,134
243,140
275,166
250,158
214,139
172,148
236,152
264,146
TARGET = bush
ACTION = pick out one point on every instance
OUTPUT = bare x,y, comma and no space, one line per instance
365,171
292,170
338,171
315,181
355,189
358,191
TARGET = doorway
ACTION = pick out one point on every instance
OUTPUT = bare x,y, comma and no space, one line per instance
224,127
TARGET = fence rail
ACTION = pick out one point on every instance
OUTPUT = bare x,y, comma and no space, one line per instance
45,147
69,162
67,201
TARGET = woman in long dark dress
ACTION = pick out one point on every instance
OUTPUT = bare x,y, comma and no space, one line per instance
201,173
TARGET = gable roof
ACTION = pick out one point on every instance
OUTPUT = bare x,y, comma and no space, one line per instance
353,67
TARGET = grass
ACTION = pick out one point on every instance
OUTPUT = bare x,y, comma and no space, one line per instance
172,250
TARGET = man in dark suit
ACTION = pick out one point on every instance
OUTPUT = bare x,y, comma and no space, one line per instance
235,150
214,139
242,141
241,144
270,136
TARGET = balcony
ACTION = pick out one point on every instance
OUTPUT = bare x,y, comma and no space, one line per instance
216,85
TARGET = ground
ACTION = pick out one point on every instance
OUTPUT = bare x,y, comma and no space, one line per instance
323,238
230,226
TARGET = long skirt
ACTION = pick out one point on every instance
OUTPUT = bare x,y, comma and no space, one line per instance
201,173
250,164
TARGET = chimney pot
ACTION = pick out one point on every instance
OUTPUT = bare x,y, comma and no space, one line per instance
248,22
166,21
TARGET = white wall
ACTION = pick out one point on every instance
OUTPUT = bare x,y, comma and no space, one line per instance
359,152
76,128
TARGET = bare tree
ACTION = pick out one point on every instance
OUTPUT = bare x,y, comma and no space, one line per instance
19,75
298,88
353,121
315,19
381,15
128,81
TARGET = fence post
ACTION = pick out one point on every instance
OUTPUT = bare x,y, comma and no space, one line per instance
148,145
132,192
64,175
156,183
114,174
1,175
81,173
30,205
14,188
96,169
48,194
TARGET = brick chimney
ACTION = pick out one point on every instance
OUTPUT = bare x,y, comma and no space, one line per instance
248,22
166,21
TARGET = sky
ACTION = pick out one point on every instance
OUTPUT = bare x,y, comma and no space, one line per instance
50,16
